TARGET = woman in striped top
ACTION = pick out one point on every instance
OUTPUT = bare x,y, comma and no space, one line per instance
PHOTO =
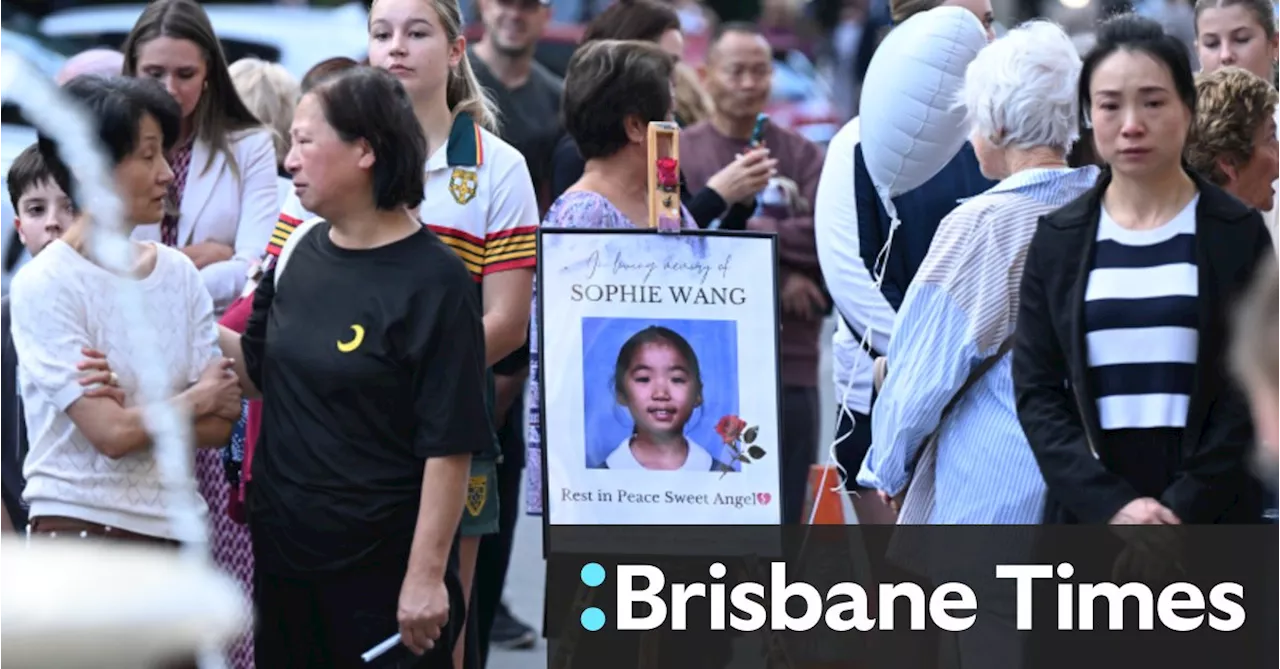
1119,362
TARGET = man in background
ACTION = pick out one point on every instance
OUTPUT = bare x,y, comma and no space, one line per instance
528,98
738,75
526,92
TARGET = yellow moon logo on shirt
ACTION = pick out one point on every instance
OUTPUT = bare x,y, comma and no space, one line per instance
357,337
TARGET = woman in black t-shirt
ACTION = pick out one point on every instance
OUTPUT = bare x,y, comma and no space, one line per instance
369,351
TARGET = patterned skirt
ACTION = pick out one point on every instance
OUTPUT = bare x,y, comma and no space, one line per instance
232,550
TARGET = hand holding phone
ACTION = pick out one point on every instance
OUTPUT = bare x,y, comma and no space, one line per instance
757,133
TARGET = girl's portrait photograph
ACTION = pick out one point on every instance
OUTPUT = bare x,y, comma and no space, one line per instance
656,390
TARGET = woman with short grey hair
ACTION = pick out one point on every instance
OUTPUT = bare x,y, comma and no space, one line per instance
955,325
947,446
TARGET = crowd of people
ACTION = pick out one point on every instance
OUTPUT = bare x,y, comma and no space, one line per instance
1077,322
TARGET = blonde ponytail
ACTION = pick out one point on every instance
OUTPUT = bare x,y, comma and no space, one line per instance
465,94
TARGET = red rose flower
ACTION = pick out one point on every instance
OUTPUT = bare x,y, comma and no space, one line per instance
730,428
668,172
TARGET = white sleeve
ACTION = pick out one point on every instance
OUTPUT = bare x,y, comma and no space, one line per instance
50,329
259,207
835,221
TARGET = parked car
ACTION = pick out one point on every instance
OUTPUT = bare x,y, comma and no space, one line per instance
297,37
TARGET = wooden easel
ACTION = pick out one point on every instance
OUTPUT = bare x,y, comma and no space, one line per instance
665,212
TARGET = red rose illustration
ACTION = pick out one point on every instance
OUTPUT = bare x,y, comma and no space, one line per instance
730,428
668,172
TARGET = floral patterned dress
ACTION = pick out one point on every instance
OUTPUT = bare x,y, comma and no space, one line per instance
574,209
216,469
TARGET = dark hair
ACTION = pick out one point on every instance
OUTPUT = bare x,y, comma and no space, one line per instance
1083,152
643,20
324,69
369,103
737,28
609,81
1130,32
655,334
901,10
117,105
220,110
27,171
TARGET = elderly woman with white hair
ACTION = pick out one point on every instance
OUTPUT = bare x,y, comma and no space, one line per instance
947,446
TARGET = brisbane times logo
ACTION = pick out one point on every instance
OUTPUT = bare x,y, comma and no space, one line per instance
646,601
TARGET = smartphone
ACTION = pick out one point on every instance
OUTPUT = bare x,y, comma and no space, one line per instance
757,133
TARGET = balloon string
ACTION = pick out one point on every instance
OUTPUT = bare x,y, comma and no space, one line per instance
882,261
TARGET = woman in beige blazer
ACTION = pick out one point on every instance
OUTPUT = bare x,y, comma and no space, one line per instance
223,206
224,197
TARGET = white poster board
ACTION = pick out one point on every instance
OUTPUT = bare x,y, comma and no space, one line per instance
657,350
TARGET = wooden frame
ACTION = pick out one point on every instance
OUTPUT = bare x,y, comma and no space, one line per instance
665,212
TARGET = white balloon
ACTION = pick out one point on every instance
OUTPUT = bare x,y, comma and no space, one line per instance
912,125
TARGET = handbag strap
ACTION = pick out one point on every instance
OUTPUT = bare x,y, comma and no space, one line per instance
974,376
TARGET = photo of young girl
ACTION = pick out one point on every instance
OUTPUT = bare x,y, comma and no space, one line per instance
657,399
658,380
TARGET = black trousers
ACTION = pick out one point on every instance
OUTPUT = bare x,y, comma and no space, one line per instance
329,621
495,549
800,415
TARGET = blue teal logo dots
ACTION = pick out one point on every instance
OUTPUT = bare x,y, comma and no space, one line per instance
592,576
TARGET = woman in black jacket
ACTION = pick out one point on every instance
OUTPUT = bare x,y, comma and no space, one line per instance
1120,362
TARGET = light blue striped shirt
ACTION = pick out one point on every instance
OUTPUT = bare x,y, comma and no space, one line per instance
960,307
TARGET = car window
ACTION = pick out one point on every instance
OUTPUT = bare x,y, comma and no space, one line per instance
84,41
237,49
45,54
33,51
